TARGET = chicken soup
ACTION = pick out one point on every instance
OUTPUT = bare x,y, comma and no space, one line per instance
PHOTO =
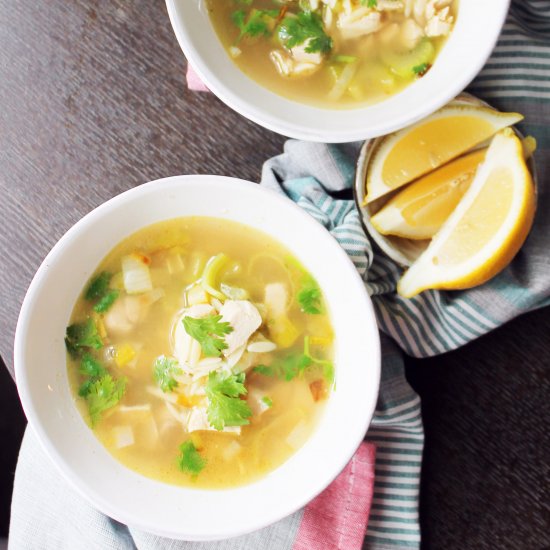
200,353
333,52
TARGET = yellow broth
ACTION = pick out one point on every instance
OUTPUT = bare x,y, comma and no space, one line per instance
355,72
177,251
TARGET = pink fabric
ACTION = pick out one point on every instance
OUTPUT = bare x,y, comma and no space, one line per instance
193,80
337,518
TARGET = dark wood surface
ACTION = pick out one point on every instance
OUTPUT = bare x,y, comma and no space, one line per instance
93,102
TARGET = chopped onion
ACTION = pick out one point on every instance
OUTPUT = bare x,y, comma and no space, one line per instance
136,275
135,408
124,436
297,437
231,451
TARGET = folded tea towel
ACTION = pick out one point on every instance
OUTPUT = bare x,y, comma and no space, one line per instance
48,514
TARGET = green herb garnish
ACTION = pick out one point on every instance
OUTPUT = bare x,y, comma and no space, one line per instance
106,301
258,22
103,394
267,400
98,289
190,461
209,333
80,336
164,369
293,366
306,27
225,407
309,296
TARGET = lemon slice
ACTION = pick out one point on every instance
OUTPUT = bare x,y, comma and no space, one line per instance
403,156
419,211
486,229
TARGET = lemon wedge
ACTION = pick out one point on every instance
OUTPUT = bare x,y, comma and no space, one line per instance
401,157
486,229
421,208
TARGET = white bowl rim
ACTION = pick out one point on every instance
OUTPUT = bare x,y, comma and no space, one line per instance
297,130
59,461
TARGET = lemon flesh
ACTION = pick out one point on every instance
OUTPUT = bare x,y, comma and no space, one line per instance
404,156
486,229
420,209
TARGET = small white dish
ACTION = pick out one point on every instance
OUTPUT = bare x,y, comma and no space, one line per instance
178,512
472,40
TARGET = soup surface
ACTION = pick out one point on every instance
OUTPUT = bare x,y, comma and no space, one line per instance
333,52
200,353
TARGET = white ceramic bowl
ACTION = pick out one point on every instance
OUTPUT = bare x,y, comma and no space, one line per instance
474,36
184,513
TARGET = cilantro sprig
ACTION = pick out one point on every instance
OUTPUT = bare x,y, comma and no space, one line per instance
98,290
225,406
309,296
82,336
190,461
103,394
164,370
99,388
305,27
294,366
209,332
256,23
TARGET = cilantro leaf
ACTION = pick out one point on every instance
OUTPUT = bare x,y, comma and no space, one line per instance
82,335
309,296
106,301
225,407
98,286
164,369
91,367
103,394
258,22
306,27
267,400
369,3
190,461
287,368
208,332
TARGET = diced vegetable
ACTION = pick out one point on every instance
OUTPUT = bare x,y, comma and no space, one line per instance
124,354
135,271
196,295
124,436
297,437
283,331
404,65
231,451
234,293
106,301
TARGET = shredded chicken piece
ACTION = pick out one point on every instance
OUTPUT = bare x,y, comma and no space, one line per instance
359,22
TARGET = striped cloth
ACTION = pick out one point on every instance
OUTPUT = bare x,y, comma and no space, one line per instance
47,514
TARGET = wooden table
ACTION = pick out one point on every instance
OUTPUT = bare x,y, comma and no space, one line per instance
93,102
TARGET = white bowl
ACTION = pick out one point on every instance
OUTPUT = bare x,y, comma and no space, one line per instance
186,513
474,36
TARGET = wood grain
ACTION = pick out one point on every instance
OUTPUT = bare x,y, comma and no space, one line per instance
93,102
